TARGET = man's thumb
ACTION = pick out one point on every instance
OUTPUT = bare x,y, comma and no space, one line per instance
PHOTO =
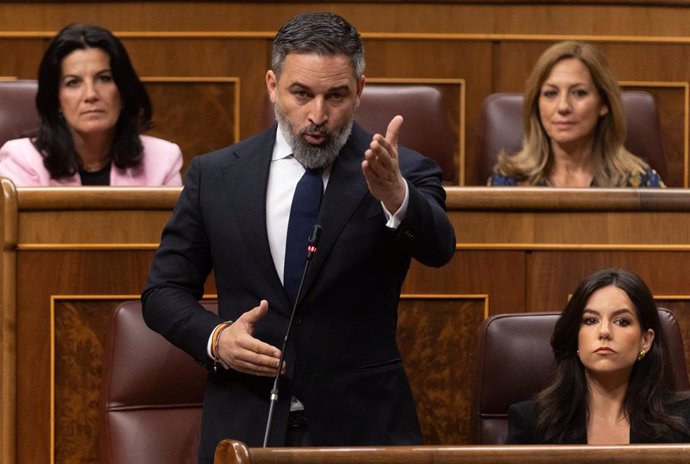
255,314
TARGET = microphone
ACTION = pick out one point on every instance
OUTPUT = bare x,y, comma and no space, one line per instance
312,247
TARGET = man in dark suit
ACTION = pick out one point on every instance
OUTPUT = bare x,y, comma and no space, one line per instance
343,382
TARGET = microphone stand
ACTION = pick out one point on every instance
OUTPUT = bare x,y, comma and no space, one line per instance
312,247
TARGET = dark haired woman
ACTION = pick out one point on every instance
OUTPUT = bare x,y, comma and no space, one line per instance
93,110
614,379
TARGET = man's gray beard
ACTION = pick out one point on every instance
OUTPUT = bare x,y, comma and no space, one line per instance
313,156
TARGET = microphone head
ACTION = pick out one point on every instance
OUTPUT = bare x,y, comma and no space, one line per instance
315,235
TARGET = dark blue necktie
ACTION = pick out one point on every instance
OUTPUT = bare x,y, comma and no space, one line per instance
304,213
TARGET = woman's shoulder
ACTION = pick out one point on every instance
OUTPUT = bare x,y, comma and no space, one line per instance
161,165
524,408
679,404
21,152
159,146
647,177
522,418
23,163
22,147
499,180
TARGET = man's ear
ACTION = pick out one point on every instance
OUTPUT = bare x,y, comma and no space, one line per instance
360,88
271,85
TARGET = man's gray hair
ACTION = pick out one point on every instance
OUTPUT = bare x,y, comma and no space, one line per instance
324,34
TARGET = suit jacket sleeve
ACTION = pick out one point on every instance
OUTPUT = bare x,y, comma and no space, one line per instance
178,273
522,421
426,233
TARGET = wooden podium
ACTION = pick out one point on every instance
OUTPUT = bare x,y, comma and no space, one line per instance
235,452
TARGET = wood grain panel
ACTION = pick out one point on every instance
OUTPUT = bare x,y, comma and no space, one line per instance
554,228
77,228
436,337
8,325
499,274
245,59
486,60
555,274
538,218
537,17
41,275
235,452
200,115
79,334
20,57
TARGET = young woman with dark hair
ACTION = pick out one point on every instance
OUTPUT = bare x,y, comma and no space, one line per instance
614,380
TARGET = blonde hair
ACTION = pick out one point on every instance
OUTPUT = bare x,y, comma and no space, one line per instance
612,162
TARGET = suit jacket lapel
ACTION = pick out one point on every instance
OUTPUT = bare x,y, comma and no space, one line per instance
346,190
245,176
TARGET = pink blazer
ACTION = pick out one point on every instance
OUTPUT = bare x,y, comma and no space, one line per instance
162,161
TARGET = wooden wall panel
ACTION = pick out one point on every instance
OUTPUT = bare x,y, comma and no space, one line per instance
79,251
245,59
522,261
498,273
234,452
67,229
555,274
436,338
79,334
20,58
436,335
536,17
488,61
200,115
41,276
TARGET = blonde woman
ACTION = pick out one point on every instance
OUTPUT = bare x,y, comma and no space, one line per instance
574,127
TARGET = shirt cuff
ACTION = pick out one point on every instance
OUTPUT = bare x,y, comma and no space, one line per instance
394,220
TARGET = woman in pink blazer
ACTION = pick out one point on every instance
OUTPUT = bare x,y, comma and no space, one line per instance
93,110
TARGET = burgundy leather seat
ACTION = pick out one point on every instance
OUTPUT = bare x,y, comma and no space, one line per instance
151,395
426,127
501,128
515,361
17,109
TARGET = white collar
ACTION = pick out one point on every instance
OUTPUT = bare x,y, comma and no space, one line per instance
282,148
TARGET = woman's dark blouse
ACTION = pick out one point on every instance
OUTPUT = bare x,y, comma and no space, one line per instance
522,430
100,177
649,178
